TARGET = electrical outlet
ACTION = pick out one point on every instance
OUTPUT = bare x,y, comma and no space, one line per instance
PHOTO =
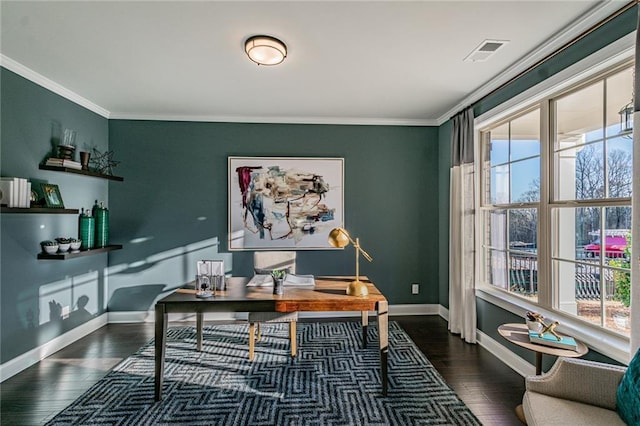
415,288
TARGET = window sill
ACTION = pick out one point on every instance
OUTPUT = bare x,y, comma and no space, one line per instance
610,344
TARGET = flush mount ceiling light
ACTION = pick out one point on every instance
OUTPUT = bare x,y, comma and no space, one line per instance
265,50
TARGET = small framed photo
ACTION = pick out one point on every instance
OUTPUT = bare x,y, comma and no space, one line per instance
52,197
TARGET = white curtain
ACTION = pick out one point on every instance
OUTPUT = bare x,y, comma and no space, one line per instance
462,300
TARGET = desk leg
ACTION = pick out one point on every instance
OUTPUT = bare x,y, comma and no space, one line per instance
199,321
365,323
383,335
538,363
160,343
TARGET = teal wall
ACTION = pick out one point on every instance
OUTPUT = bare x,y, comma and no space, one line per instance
29,117
174,202
489,315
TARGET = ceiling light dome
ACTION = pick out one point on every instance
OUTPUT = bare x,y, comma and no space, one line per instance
265,50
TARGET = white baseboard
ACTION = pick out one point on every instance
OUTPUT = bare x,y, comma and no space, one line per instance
443,312
27,359
517,364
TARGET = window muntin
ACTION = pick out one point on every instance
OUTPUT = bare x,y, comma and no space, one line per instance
592,279
513,159
588,189
592,155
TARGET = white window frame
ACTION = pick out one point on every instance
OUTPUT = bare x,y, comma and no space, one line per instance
610,344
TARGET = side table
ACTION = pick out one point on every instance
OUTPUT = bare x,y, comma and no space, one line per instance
519,335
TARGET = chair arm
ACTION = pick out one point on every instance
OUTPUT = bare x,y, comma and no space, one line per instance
579,380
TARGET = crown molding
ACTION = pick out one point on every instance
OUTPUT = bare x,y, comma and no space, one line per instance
358,121
51,85
588,20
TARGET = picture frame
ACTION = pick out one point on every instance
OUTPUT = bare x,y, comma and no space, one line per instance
284,203
52,197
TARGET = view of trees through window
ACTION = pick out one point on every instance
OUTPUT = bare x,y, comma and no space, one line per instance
589,212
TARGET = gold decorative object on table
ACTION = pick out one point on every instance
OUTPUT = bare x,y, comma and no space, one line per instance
339,237
550,328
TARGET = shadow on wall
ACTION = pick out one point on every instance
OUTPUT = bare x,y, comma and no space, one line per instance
135,286
136,298
62,306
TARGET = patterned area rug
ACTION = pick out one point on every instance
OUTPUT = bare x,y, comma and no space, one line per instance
331,382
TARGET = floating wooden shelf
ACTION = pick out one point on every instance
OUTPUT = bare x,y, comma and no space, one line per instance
40,210
80,172
71,255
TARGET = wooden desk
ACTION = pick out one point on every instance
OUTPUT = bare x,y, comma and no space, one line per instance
519,335
327,295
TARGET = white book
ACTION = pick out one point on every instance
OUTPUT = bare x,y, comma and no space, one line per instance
6,191
299,280
260,281
24,196
59,162
291,280
28,197
15,195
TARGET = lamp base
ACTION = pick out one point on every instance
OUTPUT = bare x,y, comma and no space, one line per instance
357,288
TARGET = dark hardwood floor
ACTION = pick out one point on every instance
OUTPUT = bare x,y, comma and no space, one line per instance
488,387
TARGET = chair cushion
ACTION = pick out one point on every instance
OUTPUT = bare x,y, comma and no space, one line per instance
628,394
545,410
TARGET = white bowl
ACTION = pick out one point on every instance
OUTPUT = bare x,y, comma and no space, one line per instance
76,246
50,249
63,247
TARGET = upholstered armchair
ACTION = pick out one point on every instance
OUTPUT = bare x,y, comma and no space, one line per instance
264,262
574,392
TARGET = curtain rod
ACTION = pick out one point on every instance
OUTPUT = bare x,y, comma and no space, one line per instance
561,48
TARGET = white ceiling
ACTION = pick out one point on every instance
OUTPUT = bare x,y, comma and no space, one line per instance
362,62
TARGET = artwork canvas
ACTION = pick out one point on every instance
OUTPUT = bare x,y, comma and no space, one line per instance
284,203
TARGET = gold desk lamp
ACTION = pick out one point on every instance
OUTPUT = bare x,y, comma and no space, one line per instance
339,237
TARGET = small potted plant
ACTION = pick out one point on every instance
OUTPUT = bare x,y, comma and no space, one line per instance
49,247
63,244
278,279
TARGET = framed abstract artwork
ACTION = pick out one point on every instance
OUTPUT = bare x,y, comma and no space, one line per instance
284,202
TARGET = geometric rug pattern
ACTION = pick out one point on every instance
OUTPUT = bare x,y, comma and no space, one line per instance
331,382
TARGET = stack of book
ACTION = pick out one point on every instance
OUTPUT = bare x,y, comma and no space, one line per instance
15,192
549,339
63,162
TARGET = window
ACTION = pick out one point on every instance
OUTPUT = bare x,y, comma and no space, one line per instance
556,183
511,159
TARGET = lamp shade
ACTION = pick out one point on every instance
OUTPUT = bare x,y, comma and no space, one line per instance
339,237
265,50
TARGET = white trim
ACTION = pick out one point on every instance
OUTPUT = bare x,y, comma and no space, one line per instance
517,364
594,16
51,85
617,52
610,344
35,355
358,121
443,312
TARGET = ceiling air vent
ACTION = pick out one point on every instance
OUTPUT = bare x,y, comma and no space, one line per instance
485,50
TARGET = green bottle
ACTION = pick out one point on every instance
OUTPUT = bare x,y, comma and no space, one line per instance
102,226
86,230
